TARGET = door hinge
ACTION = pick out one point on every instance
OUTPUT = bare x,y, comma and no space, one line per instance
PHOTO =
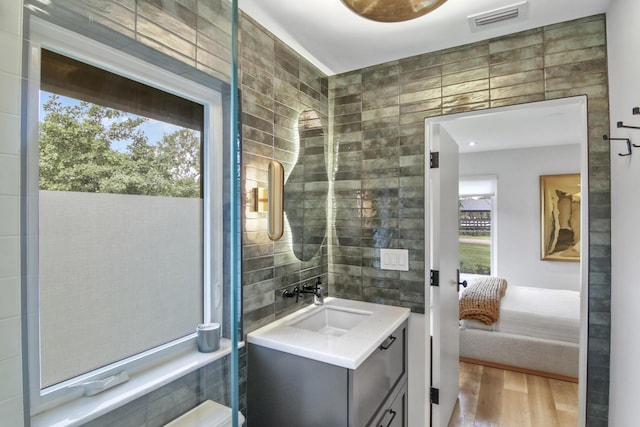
435,278
434,395
434,161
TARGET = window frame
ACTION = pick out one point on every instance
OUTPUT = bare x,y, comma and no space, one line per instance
491,193
43,34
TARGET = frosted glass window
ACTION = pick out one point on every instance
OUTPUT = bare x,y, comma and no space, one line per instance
120,218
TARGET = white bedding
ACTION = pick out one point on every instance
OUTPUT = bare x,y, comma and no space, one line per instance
536,312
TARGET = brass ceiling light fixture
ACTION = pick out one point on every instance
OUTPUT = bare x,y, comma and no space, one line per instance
392,10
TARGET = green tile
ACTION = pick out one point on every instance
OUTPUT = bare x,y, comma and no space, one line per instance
421,84
383,72
431,104
575,43
469,86
466,107
516,41
372,102
577,81
573,56
422,95
531,88
380,113
380,123
343,80
580,27
465,65
380,92
594,91
517,100
465,99
344,91
413,63
462,54
464,76
421,74
516,66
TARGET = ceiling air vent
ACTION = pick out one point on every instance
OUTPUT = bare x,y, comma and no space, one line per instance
486,20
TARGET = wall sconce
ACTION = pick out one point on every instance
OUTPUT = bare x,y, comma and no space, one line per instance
260,199
275,223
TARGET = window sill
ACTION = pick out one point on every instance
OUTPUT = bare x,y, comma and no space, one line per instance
84,409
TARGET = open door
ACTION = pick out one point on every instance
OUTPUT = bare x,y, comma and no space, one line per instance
441,246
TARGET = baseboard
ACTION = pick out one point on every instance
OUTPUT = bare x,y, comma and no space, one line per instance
518,369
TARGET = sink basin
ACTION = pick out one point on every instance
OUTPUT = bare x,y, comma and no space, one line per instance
334,321
341,332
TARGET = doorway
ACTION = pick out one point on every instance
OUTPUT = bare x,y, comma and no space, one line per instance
491,135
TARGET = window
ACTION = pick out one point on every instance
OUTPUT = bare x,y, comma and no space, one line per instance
476,223
123,178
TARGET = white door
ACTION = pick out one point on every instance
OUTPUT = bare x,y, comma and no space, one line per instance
441,247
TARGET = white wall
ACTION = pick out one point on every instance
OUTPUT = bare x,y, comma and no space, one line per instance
623,33
518,211
11,409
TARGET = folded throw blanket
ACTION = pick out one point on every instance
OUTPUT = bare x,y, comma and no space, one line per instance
481,300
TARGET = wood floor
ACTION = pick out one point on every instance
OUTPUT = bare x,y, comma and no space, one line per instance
491,397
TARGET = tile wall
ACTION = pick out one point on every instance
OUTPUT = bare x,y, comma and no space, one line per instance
277,84
377,119
11,402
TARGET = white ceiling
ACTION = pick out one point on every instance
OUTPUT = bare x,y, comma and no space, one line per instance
336,40
538,124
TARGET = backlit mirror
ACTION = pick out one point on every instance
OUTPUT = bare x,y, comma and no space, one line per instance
305,193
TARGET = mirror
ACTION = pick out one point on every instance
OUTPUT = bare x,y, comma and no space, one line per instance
305,193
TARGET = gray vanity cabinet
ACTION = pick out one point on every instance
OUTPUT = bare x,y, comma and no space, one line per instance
288,390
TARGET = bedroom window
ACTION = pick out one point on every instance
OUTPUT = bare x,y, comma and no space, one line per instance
476,224
475,235
124,253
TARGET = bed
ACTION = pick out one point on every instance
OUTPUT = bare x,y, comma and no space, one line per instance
537,331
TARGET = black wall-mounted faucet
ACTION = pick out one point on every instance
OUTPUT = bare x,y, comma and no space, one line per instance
316,290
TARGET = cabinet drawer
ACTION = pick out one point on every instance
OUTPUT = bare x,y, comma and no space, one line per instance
375,379
393,414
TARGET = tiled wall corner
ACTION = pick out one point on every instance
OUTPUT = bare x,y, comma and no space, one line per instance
277,84
377,121
11,403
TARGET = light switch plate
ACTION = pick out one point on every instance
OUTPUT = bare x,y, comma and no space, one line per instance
394,259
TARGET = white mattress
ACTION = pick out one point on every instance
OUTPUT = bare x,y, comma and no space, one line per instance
543,313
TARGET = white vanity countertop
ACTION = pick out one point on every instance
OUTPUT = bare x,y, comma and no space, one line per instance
348,350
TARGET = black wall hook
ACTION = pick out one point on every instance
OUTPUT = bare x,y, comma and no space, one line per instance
622,125
636,110
606,138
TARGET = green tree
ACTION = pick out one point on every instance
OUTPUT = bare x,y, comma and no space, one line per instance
179,153
76,153
76,145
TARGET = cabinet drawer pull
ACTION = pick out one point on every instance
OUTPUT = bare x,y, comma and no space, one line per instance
393,415
387,343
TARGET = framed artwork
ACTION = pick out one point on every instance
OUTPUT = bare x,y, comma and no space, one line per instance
560,217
